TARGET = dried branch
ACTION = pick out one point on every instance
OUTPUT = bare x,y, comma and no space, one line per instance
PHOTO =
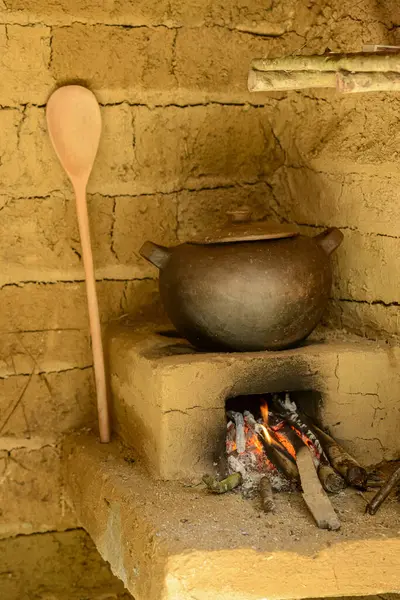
341,460
331,481
267,500
383,493
14,404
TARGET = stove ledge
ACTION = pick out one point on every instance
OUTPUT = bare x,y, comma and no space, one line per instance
170,542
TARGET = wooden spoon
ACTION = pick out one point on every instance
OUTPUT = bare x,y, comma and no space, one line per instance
74,124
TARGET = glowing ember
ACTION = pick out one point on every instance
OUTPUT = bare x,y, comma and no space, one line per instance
253,436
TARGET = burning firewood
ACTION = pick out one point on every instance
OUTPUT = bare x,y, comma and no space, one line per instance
223,486
267,434
267,500
383,493
238,419
274,451
314,496
341,461
331,481
288,410
280,460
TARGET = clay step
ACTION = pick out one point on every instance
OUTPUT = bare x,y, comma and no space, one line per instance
166,541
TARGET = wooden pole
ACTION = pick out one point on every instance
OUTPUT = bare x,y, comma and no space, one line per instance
281,81
350,83
347,73
343,81
361,61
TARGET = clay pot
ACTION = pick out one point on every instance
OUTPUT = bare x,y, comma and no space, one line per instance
250,286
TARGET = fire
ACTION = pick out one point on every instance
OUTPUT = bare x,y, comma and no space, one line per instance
266,434
286,443
246,437
264,412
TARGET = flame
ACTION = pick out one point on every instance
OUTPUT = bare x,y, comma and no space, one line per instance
287,444
255,456
307,442
265,433
264,412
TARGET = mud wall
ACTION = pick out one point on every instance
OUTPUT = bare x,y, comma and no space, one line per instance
182,143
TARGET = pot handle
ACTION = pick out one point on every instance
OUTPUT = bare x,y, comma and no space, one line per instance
157,255
329,240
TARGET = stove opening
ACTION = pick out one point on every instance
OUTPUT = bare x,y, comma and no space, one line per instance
276,442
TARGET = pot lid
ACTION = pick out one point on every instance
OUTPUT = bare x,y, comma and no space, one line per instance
240,228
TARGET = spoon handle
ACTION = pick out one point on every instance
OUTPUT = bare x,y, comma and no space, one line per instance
93,306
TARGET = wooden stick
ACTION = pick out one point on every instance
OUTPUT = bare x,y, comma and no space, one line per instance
380,48
279,460
257,428
314,496
267,500
359,61
341,461
331,481
380,497
351,83
281,81
288,410
238,418
223,486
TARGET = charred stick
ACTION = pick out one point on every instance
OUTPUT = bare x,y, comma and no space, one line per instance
279,460
223,486
281,446
258,428
330,450
331,481
288,410
237,417
267,500
341,461
383,493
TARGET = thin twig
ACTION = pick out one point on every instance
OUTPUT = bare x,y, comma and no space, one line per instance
14,405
